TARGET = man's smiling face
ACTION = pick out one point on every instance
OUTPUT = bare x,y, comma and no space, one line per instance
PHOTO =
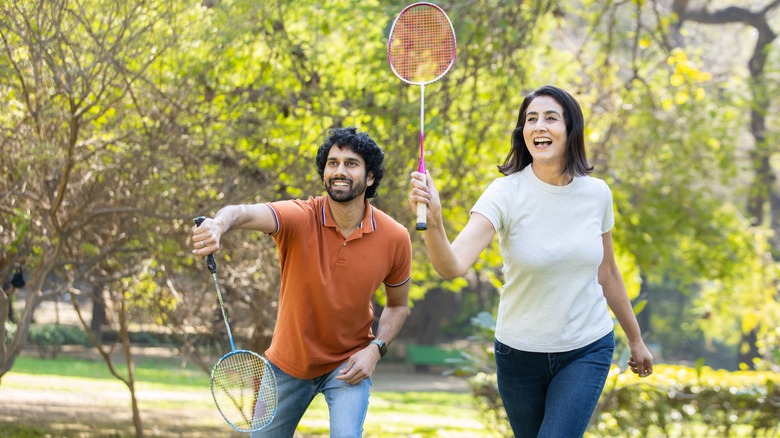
345,174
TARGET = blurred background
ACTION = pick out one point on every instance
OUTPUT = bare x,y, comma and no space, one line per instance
122,120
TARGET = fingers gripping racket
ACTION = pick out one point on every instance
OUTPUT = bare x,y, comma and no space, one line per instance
421,50
242,382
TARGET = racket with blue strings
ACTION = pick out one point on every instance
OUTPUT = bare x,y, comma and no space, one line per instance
242,382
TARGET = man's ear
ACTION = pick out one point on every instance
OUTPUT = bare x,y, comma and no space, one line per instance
370,178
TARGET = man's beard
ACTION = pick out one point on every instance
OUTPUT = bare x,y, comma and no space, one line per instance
355,190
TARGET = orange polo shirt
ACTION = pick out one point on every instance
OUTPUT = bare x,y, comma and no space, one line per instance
325,313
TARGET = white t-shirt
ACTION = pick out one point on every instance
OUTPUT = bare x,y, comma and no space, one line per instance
551,245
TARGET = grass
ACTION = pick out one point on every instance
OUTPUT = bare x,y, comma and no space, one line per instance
408,414
165,385
147,370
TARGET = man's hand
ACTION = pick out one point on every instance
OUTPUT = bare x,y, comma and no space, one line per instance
360,365
206,237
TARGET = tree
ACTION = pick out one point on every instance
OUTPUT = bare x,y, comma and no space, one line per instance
763,198
81,139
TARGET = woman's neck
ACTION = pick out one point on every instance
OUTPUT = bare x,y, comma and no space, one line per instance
551,174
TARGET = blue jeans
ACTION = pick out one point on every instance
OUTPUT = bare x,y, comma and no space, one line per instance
552,394
347,404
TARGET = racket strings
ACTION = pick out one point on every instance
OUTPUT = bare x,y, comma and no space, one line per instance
422,46
244,389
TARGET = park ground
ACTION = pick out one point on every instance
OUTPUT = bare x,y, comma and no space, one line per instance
78,407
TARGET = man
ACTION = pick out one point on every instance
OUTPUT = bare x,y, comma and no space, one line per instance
335,251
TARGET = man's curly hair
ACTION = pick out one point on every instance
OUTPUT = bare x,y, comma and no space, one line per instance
361,144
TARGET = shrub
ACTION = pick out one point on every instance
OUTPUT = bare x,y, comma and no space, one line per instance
10,331
47,338
716,402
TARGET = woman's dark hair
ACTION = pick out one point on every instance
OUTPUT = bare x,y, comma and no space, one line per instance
359,143
576,162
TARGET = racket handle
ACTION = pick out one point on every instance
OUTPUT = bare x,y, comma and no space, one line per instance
210,262
422,221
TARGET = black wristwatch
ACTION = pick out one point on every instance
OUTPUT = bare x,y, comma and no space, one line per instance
382,347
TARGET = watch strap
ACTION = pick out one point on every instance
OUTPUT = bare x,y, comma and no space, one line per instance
382,347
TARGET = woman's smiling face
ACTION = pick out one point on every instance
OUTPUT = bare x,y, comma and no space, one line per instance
544,131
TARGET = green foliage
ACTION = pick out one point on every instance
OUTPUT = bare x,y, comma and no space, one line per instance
715,401
753,284
719,402
484,389
123,121
10,331
480,359
47,338
674,398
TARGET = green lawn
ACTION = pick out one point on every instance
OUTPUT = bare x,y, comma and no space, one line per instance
165,385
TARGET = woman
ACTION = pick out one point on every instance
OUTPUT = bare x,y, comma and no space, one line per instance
554,334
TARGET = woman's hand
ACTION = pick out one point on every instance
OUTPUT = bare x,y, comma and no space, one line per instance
641,360
423,190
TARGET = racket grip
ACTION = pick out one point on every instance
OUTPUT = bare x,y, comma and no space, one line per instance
422,221
210,262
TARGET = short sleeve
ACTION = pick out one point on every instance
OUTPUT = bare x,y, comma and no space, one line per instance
402,261
492,204
609,215
291,215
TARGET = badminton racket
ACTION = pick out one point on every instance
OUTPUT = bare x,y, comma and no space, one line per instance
242,382
421,50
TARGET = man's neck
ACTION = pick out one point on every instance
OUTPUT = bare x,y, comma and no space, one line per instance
348,215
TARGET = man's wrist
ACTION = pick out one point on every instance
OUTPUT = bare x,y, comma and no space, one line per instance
381,346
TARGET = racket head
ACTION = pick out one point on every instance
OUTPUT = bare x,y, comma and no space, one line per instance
243,385
421,47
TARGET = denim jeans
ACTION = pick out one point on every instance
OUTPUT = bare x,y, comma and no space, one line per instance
552,394
347,404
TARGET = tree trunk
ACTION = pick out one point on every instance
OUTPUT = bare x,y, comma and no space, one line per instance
98,311
125,337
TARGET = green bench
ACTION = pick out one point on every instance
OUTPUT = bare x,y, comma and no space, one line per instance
422,357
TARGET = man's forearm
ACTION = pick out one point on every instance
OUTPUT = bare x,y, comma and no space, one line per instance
246,217
390,323
231,216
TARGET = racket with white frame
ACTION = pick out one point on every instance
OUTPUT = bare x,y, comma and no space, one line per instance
421,50
242,382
